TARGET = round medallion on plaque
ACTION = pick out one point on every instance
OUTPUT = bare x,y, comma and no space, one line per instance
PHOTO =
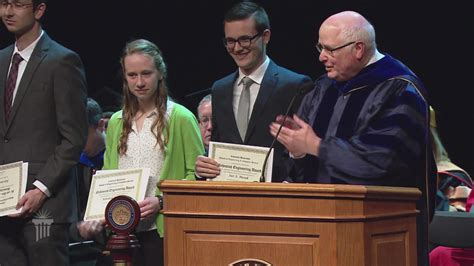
122,214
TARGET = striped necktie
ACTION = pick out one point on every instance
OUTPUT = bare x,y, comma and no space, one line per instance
10,86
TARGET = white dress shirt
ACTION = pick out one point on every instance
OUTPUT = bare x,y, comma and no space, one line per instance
257,77
26,55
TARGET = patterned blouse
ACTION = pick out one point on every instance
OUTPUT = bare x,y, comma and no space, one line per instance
144,152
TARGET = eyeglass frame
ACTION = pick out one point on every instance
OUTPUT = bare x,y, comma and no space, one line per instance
240,39
331,51
15,4
205,120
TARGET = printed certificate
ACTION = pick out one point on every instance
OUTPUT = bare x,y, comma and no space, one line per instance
107,184
241,162
13,177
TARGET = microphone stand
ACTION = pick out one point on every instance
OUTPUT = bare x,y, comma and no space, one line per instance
208,90
290,105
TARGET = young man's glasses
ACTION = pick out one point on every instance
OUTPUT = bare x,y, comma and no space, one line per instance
15,4
244,41
331,51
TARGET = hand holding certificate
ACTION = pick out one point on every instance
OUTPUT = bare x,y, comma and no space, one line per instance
13,179
108,184
240,162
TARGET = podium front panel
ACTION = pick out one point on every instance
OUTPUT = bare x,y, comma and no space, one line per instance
212,223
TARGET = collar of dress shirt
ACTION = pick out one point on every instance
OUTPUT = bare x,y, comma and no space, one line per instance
28,51
257,75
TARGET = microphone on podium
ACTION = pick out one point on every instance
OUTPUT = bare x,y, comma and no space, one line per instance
302,90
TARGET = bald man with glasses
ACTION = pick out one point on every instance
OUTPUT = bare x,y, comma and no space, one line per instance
367,121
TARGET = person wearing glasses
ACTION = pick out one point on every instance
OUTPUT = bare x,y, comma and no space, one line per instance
367,121
245,102
43,121
204,111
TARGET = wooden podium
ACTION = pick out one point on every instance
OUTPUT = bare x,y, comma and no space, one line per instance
219,223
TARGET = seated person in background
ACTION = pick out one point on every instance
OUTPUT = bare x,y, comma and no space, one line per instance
454,184
105,118
204,111
454,194
92,159
448,256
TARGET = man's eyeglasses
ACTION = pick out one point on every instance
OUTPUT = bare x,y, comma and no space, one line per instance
15,4
244,41
331,51
205,120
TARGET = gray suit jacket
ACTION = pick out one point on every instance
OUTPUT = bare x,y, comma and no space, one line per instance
278,86
48,124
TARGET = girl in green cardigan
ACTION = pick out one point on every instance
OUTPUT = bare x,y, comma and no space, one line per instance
151,131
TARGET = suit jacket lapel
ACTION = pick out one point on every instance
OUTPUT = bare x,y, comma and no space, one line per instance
6,58
228,106
268,86
37,56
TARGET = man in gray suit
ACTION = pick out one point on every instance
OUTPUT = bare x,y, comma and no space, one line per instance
271,87
42,122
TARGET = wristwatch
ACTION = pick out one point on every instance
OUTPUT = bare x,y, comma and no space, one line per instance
160,200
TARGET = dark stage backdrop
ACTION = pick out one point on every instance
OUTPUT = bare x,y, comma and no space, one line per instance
431,37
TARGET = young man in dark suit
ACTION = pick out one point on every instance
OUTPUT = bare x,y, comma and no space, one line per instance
42,122
270,87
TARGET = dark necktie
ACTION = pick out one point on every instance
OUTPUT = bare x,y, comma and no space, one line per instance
10,86
244,107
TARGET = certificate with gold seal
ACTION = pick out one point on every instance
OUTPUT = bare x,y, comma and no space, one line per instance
108,184
13,177
241,162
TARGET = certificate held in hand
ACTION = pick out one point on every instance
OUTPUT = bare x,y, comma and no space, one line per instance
108,184
13,177
241,162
